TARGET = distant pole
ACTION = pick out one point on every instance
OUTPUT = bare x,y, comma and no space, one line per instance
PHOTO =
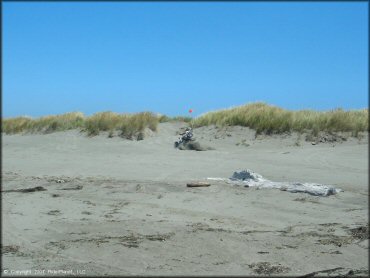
191,121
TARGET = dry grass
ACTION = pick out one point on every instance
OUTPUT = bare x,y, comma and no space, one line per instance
104,121
45,124
164,118
269,119
259,116
134,125
129,125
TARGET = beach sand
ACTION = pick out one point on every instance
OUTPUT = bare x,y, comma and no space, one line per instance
118,207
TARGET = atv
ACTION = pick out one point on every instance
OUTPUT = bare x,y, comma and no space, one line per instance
185,137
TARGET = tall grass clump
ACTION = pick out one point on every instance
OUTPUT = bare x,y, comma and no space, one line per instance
54,123
16,125
103,121
269,119
44,124
129,125
133,125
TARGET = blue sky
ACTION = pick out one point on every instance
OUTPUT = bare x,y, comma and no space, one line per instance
169,57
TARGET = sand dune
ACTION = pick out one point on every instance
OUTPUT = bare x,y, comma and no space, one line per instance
110,206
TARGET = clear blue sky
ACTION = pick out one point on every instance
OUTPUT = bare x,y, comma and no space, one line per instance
169,57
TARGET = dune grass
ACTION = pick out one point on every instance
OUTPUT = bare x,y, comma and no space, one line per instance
134,125
270,119
129,125
45,124
164,119
259,116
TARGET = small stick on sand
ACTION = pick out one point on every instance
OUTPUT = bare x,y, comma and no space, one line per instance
198,184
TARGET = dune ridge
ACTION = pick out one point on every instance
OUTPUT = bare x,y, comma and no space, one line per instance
262,117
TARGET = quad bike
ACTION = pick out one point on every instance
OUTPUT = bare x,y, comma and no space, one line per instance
185,137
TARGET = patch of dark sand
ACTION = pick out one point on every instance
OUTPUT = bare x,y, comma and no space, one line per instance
9,249
193,146
132,240
361,232
54,212
339,272
268,268
26,190
329,238
13,250
303,200
77,187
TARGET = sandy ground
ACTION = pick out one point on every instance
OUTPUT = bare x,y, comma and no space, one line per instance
118,207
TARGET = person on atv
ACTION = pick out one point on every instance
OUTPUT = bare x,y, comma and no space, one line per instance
187,135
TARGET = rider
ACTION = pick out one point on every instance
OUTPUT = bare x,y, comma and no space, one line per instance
187,134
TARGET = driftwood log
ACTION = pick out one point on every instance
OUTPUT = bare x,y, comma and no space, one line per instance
198,184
